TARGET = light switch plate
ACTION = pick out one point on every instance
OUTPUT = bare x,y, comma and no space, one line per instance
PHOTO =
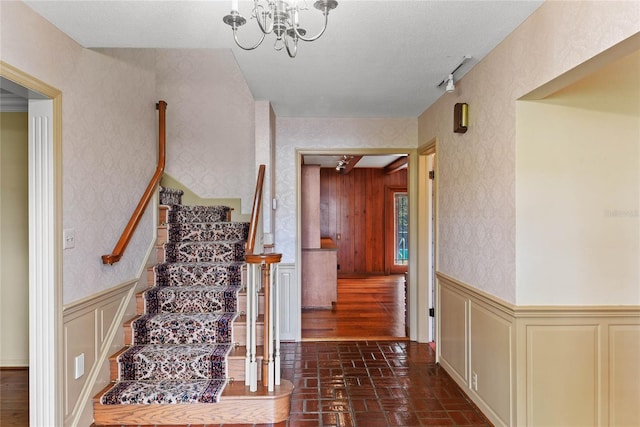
68,238
79,366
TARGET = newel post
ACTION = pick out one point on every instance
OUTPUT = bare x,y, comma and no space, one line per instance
268,265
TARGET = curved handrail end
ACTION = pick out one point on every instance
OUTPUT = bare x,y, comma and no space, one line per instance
111,259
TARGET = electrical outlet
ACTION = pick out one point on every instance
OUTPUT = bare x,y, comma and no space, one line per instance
79,366
474,381
68,238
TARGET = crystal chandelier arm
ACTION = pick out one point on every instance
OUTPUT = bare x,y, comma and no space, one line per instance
301,35
235,37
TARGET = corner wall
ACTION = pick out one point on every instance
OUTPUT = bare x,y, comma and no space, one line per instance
477,170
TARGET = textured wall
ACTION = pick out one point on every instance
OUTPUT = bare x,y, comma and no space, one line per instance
325,134
210,117
108,142
477,181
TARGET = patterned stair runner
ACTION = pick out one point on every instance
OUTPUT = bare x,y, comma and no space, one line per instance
181,342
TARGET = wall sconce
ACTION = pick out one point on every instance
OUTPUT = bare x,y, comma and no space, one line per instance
460,117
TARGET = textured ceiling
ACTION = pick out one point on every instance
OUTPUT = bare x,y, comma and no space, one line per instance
376,59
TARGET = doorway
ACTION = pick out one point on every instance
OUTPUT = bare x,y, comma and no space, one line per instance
45,242
427,242
352,204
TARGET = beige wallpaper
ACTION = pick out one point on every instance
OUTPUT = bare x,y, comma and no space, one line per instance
210,123
108,142
323,134
477,170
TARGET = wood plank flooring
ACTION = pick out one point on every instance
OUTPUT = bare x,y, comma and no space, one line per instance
14,397
369,307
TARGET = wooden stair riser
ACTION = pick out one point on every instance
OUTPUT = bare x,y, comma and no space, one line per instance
162,235
163,214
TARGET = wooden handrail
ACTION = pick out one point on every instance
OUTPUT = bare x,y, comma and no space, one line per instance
118,250
255,212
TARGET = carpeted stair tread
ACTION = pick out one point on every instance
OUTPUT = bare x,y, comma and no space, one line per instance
164,392
213,251
198,273
190,214
183,328
191,299
156,362
207,231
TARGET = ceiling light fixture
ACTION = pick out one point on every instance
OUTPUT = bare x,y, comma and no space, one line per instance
343,163
450,85
280,17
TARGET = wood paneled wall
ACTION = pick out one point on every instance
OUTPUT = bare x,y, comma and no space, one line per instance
352,213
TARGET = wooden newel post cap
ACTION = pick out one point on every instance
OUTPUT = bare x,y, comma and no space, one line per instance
263,258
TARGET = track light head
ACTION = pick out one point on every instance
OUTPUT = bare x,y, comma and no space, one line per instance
450,85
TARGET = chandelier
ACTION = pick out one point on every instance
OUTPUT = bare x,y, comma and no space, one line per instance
280,17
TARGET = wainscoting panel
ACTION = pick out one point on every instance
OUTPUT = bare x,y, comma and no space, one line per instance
540,365
453,344
563,384
93,327
79,339
624,375
491,360
289,303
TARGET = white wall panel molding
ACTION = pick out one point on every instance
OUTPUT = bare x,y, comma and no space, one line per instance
290,326
540,365
93,330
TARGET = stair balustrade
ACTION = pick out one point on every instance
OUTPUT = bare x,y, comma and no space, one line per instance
262,275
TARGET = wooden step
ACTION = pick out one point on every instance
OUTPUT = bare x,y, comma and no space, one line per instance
242,297
241,308
235,361
237,406
239,330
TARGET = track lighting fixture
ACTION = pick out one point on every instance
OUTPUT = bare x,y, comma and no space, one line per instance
343,163
448,81
450,85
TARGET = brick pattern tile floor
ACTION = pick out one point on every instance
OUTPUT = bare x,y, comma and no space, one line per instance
371,384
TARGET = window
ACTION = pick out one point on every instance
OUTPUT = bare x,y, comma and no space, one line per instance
401,228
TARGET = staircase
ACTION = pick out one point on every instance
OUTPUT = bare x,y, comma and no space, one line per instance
185,359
